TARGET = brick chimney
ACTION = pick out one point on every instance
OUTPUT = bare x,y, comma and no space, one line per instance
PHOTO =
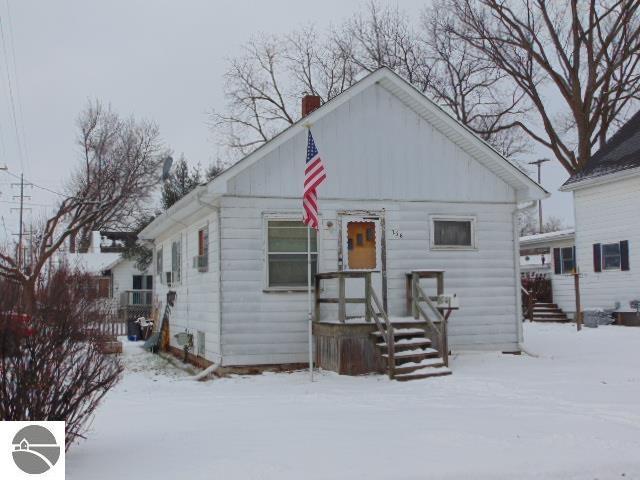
309,104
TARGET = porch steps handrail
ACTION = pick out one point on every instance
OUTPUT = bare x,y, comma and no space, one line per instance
373,305
418,295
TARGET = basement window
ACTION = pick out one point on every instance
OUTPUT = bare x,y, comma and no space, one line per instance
287,254
453,233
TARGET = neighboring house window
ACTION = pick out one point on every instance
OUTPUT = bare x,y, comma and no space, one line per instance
103,287
611,256
453,233
142,286
564,260
201,262
143,282
176,261
287,253
159,263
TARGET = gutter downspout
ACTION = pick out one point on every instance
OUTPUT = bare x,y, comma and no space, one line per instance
516,259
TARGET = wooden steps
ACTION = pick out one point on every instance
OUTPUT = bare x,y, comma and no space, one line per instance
414,356
548,312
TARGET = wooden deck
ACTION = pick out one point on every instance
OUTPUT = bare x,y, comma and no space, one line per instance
406,348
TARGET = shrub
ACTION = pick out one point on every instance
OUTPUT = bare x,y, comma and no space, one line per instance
51,363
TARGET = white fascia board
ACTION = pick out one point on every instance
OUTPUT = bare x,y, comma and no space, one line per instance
601,180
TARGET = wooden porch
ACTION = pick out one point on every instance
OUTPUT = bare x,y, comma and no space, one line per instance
406,348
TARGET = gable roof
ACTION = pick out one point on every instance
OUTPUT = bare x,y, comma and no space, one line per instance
525,187
620,153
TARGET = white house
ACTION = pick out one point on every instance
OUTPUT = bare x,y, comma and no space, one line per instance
408,188
606,197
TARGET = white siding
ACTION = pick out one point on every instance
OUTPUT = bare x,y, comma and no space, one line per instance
197,306
262,327
122,277
608,213
375,147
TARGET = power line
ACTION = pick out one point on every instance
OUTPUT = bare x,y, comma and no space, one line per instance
11,97
36,185
17,83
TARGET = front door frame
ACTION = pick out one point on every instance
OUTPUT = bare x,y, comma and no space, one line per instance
364,215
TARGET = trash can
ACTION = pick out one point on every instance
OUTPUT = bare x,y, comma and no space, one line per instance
133,331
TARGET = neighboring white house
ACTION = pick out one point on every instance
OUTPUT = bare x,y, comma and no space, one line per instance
555,261
116,278
606,197
408,187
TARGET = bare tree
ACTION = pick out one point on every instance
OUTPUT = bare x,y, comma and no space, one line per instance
477,93
119,170
264,85
576,61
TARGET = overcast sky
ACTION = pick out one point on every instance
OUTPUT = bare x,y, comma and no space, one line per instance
162,60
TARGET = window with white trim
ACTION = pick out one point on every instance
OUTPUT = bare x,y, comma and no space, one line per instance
287,253
453,232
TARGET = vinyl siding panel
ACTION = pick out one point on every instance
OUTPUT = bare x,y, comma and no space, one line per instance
374,146
260,326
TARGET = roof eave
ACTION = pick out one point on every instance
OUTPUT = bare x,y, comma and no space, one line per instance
601,179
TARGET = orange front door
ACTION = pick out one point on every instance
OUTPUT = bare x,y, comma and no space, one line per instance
361,245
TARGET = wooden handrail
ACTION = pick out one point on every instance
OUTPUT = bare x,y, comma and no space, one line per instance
388,336
528,308
417,296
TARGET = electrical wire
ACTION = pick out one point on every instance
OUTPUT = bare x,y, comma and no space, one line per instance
11,97
17,84
27,181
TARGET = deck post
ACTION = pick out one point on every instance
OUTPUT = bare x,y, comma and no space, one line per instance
440,282
367,296
415,281
317,299
342,309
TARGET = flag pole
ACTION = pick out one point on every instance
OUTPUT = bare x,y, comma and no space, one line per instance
309,314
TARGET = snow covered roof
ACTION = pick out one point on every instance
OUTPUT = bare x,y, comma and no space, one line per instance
94,263
542,238
620,155
202,196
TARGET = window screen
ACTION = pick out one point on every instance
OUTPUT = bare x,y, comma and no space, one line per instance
452,233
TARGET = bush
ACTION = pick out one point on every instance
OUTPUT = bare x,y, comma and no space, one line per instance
51,364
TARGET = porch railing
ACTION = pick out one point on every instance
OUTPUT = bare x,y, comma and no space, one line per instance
373,309
423,307
528,301
136,297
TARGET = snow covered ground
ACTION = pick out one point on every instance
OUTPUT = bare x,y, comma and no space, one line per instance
569,411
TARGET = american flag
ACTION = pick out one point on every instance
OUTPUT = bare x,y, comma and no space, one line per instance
314,175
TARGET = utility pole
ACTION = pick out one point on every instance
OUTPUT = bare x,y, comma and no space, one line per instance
539,163
21,209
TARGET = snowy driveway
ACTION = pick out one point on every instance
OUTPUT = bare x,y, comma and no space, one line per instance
572,411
